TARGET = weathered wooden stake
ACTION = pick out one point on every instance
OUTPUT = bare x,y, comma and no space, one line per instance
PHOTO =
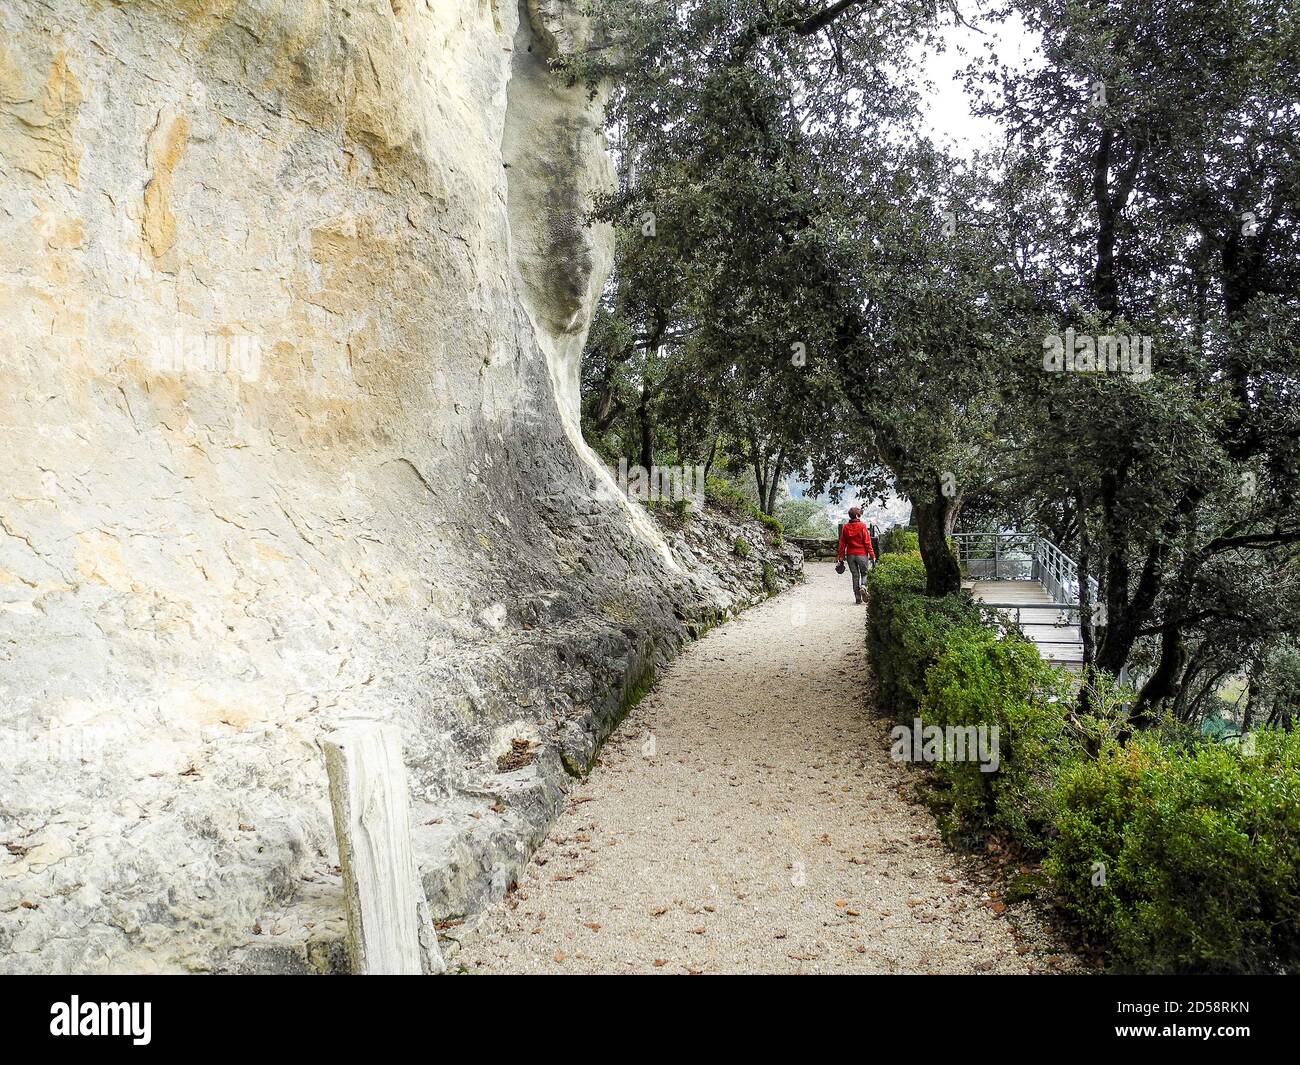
389,928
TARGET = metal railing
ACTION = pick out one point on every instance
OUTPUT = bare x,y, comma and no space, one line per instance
1016,556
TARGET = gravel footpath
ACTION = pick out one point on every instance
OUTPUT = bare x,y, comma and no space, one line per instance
746,817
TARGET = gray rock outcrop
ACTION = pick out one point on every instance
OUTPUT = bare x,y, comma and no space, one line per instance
292,298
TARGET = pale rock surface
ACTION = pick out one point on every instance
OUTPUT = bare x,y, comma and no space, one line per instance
291,302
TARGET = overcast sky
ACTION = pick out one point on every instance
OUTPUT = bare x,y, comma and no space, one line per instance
948,116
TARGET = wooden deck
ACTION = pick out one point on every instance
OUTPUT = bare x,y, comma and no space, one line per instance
1054,632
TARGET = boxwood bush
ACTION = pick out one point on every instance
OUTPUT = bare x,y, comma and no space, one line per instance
908,630
1185,860
983,680
899,541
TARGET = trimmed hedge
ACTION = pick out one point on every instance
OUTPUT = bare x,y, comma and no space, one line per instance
982,680
899,541
1185,860
908,630
1181,854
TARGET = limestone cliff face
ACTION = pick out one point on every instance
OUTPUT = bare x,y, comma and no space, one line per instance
292,297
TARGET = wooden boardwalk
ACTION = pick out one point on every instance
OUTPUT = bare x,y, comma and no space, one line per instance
1055,632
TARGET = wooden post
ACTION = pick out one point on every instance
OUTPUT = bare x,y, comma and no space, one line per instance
389,929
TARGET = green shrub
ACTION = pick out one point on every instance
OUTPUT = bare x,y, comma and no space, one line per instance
907,630
769,578
1180,854
899,541
1185,861
728,498
981,680
773,526
742,547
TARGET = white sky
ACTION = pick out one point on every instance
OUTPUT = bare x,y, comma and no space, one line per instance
948,116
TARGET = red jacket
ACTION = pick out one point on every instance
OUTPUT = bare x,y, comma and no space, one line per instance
855,539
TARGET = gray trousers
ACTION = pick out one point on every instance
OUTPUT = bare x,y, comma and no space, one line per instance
858,567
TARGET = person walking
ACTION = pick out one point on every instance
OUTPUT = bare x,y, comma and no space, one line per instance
855,549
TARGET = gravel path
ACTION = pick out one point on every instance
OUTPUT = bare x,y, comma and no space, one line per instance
746,817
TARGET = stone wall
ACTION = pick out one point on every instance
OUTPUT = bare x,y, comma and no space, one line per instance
815,547
292,297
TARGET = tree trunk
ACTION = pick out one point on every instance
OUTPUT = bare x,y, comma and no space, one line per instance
1103,279
708,463
1253,687
774,484
1087,608
647,457
1163,684
942,573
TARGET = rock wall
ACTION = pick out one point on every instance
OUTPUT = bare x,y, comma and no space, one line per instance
291,302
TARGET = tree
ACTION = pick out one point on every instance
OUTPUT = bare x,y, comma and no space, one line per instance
805,517
834,310
1170,145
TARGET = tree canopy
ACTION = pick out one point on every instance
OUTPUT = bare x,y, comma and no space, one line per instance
1089,328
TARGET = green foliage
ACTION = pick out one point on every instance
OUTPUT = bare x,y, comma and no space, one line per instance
908,630
805,517
742,547
729,499
980,679
769,578
899,541
1202,452
1275,685
773,526
1200,849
